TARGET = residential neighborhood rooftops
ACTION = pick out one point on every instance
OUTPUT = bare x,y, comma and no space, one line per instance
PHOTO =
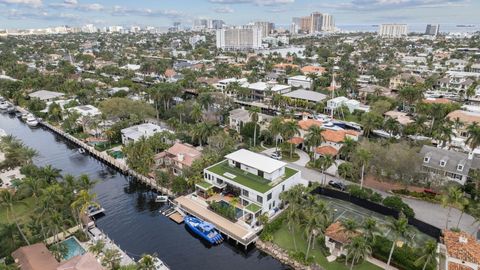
255,160
45,95
462,246
464,116
35,257
306,95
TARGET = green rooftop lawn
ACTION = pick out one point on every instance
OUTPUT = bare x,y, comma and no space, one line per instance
247,179
204,184
253,208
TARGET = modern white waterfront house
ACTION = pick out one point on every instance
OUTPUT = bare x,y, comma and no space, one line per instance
134,133
256,179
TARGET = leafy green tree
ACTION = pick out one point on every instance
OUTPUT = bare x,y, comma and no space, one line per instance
289,130
254,112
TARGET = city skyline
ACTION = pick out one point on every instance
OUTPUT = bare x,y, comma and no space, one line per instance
46,13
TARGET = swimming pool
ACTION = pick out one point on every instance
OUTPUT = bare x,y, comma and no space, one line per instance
238,211
73,248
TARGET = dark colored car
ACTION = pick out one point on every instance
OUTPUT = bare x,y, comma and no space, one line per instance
338,185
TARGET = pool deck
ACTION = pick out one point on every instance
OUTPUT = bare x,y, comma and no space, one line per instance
197,207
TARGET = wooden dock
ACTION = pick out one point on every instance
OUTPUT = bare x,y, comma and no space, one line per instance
177,217
107,159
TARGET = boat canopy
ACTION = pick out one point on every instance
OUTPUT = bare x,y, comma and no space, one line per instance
205,226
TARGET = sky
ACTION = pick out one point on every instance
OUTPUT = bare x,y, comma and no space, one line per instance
46,13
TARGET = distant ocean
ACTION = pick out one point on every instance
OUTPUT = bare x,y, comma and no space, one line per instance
417,27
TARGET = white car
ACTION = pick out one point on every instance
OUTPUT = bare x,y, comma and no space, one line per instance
276,155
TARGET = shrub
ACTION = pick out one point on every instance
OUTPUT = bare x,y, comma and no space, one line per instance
224,210
396,203
271,227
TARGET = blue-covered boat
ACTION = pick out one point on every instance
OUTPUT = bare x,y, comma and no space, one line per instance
203,229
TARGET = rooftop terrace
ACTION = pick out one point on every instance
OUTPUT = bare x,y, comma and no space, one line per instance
247,179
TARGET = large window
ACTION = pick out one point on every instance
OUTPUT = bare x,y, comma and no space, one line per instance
259,199
245,192
269,197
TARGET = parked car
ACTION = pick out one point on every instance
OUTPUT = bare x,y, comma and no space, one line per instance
276,155
338,185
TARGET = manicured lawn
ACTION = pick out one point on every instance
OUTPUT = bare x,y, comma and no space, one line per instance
283,238
286,157
22,211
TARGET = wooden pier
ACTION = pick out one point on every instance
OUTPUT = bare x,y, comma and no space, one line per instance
107,159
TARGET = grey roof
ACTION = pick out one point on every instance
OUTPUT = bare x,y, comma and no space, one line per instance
244,116
45,95
452,159
307,95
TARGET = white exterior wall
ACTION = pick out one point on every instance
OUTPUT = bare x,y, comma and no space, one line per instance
305,84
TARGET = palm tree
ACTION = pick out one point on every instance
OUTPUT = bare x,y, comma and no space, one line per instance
399,229
85,183
147,262
8,199
253,113
358,248
111,258
453,198
473,139
97,248
50,174
314,137
196,112
275,129
347,148
369,228
428,254
289,130
350,227
293,216
326,162
82,202
201,132
363,156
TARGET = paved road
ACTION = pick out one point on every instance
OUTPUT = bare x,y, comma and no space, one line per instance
431,213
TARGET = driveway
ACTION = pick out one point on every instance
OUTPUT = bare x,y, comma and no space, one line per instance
302,161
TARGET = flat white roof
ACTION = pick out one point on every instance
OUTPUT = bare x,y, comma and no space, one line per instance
257,161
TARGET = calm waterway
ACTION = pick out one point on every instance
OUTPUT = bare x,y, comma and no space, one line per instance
132,219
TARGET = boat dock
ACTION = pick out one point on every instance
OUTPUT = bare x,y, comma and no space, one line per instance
107,159
177,217
235,231
96,235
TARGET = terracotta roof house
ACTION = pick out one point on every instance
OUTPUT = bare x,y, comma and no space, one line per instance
35,257
336,238
178,157
437,101
313,69
86,261
326,150
466,118
461,251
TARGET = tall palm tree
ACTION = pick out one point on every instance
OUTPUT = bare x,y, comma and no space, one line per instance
358,248
326,162
350,226
314,137
254,112
363,156
428,254
347,148
369,228
85,183
8,199
473,139
289,130
81,203
275,129
201,132
196,112
97,248
400,230
453,198
147,262
111,258
50,174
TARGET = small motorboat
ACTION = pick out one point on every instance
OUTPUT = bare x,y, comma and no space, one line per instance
24,116
161,199
203,229
31,121
4,105
81,151
94,210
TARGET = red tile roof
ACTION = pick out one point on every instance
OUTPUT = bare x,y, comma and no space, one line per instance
326,150
296,140
462,246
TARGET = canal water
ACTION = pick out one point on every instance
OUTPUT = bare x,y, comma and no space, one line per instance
132,219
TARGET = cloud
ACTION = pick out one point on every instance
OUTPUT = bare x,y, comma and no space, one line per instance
124,11
225,9
15,14
255,2
32,3
372,5
73,4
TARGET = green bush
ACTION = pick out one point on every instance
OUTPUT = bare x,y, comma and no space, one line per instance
364,193
396,203
226,211
403,258
271,227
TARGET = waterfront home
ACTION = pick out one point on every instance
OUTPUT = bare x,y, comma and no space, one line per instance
306,95
256,180
86,110
300,81
45,95
178,158
452,165
262,90
402,79
134,133
239,117
317,70
459,251
336,237
38,257
333,141
337,103
466,118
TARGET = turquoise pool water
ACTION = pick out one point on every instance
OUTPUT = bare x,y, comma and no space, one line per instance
74,248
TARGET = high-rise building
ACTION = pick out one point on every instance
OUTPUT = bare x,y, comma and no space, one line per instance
267,28
239,38
200,24
316,20
392,30
328,24
215,24
432,29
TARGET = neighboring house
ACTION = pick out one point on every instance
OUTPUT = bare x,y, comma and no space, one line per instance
45,95
336,237
115,90
337,103
371,89
38,257
461,251
333,141
402,79
401,117
134,133
466,118
222,85
452,165
259,180
262,90
307,95
300,81
178,158
86,110
239,117
313,70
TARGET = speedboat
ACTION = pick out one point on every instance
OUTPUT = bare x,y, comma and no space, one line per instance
161,198
203,229
384,134
31,121
81,150
4,105
94,210
25,116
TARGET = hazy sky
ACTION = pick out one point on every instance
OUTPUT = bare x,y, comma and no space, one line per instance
42,13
